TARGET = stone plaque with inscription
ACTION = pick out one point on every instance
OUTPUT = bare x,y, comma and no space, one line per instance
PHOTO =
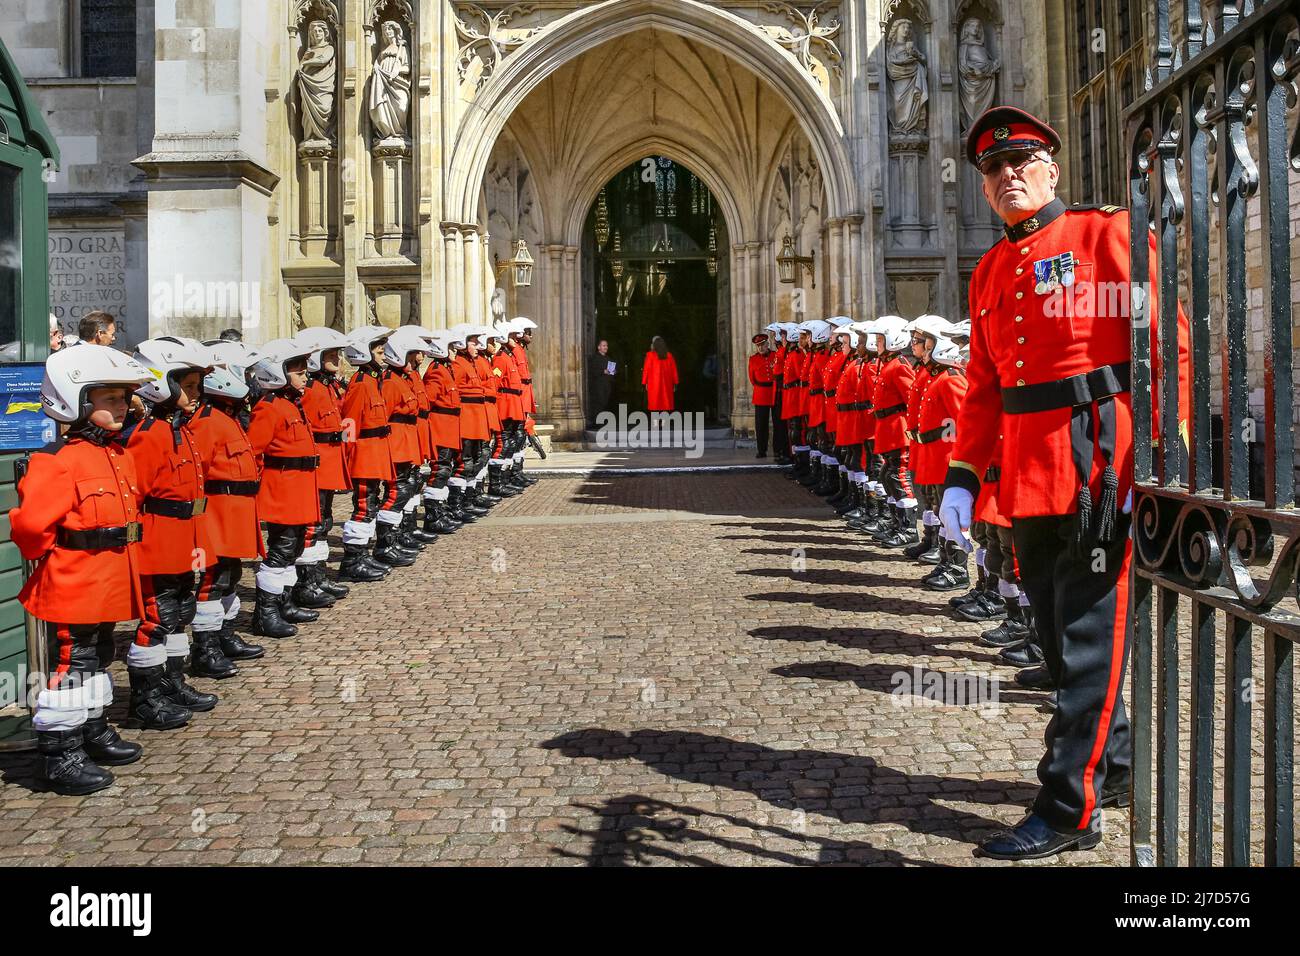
87,274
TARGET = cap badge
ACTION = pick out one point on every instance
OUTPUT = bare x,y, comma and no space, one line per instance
1001,133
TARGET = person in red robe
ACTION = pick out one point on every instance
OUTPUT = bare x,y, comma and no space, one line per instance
659,376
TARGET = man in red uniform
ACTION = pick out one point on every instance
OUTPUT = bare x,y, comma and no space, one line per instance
369,459
444,430
397,513
819,337
834,483
926,331
848,421
474,431
175,542
792,399
231,486
1049,370
521,336
322,404
933,436
893,386
510,412
762,391
77,519
780,438
872,511
289,498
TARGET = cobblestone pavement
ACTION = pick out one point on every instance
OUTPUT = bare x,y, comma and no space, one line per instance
697,669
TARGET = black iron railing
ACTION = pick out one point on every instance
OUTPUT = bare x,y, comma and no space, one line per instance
1214,139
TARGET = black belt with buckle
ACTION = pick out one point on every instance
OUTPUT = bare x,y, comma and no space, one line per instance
172,508
243,489
382,431
327,438
511,391
402,419
96,539
1104,382
891,410
284,463
931,436
526,381
424,413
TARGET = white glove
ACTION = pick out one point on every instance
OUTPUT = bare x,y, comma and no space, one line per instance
955,512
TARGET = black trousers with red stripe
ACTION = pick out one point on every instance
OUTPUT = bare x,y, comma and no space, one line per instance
78,652
1082,609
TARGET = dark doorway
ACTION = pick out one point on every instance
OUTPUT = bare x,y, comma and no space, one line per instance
655,232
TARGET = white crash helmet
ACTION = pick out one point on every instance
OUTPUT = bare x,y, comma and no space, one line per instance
503,331
229,377
403,341
490,332
820,331
269,372
948,352
360,341
320,338
935,326
70,373
437,342
522,324
893,329
960,330
454,338
466,331
166,357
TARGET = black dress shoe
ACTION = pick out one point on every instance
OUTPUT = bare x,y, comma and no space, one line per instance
1035,678
1024,654
1033,839
1114,796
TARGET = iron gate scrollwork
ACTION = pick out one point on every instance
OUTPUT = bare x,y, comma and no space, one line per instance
1212,143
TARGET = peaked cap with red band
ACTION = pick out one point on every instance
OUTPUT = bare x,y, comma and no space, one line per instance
1004,129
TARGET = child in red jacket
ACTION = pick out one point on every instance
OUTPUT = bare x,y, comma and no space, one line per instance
77,520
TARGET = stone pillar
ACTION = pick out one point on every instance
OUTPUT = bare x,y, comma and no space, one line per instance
391,164
453,277
857,270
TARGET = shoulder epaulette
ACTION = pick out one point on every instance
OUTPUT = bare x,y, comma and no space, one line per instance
1098,207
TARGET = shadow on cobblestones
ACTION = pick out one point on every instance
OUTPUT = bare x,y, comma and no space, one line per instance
856,603
919,684
835,785
880,641
636,830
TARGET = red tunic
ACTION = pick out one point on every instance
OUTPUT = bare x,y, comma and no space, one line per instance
422,429
491,379
232,519
322,404
510,388
892,387
81,485
444,405
830,391
778,371
924,376
279,430
815,402
365,421
403,417
473,398
1019,337
520,355
866,399
936,426
761,382
170,545
793,386
848,420
659,376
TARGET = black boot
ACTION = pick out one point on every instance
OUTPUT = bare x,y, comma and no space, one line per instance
182,694
981,581
906,532
435,524
103,745
335,590
411,528
1024,654
355,567
988,605
840,491
889,523
65,766
206,658
514,477
307,593
1011,631
951,576
497,483
386,549
857,510
294,614
814,475
830,481
877,516
267,619
150,707
235,647
928,539
931,554
469,506
482,497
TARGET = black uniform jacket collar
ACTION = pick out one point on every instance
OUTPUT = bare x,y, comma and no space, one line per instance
1048,214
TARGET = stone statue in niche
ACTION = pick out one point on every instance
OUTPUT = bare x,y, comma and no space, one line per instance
978,70
390,86
315,84
909,90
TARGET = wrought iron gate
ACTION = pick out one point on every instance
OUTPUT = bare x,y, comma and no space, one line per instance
1211,145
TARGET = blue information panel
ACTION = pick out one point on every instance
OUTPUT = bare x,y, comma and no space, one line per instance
23,423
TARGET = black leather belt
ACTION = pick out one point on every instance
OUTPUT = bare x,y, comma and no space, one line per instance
526,381
424,413
511,391
244,489
761,384
789,384
830,392
95,539
328,438
891,410
172,508
814,391
472,400
1081,389
285,463
931,436
445,411
402,419
383,431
